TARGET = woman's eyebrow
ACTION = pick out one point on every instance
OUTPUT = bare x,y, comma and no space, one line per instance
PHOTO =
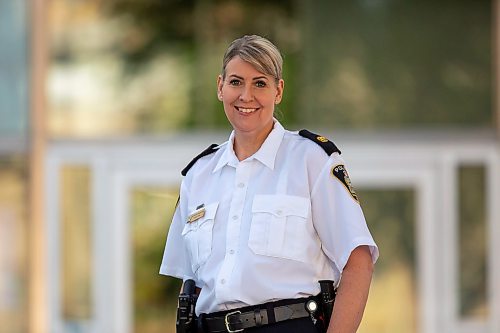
241,78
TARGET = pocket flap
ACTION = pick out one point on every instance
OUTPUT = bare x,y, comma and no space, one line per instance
281,205
210,211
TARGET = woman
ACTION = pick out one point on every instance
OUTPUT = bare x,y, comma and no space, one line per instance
266,215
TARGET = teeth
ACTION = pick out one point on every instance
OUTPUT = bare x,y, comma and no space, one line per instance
244,110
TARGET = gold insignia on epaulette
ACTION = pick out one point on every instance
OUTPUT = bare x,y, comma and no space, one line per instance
321,139
340,173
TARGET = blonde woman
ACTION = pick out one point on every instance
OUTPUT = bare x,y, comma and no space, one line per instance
265,216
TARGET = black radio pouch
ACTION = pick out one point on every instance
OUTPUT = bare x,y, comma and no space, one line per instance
327,299
186,317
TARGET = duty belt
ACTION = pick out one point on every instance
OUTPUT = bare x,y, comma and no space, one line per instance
259,315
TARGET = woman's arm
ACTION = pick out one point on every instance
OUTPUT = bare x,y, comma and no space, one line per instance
352,292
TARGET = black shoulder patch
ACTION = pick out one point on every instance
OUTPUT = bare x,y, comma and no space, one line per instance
210,150
340,172
328,146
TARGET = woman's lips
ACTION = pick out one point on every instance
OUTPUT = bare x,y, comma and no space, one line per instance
246,110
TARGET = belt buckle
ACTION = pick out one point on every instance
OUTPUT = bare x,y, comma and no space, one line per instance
227,322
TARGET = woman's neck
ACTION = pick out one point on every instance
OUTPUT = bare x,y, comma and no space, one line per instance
247,144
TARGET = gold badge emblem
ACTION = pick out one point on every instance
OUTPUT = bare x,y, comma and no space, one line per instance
322,139
198,214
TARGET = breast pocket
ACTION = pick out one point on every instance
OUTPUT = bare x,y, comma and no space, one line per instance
279,226
198,235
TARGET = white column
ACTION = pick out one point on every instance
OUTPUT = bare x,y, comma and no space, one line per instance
495,43
494,182
449,271
427,250
493,221
38,314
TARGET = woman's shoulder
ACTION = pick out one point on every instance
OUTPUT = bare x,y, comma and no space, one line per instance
209,153
311,143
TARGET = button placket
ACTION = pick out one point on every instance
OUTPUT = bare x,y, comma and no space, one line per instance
233,228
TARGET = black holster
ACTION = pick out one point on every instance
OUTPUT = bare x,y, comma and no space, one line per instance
186,317
327,299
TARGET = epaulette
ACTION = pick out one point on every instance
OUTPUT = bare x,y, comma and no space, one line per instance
210,150
323,142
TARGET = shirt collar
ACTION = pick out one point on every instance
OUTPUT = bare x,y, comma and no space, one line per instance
266,153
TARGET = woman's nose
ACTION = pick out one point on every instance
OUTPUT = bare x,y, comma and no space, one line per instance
246,94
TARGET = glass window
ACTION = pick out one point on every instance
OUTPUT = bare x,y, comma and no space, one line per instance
139,68
13,245
14,77
393,299
76,243
392,64
473,243
155,295
150,67
97,89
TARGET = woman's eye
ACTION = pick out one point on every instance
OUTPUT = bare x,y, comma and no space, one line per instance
235,82
260,84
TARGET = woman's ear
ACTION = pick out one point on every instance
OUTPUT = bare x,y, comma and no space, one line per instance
220,82
279,91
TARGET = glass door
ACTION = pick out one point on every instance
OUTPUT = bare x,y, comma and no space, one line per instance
154,296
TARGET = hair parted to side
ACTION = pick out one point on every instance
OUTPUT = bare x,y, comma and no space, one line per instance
259,52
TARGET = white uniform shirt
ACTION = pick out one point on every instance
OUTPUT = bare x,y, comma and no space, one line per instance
273,225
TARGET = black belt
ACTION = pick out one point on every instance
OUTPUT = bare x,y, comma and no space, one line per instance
259,315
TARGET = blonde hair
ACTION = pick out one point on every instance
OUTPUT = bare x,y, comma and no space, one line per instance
259,52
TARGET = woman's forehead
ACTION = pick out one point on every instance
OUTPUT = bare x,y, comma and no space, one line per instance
241,68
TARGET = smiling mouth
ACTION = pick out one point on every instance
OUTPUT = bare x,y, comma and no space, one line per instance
246,110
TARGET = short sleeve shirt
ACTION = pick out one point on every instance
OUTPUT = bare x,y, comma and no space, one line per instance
265,228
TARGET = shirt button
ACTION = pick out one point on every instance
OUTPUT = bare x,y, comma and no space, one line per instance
279,212
223,281
235,217
241,185
231,251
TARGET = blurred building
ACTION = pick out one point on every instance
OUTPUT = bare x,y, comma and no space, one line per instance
103,103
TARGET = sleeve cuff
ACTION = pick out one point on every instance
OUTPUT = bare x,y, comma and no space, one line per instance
176,273
342,261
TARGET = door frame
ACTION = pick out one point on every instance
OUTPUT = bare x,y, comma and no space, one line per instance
430,168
